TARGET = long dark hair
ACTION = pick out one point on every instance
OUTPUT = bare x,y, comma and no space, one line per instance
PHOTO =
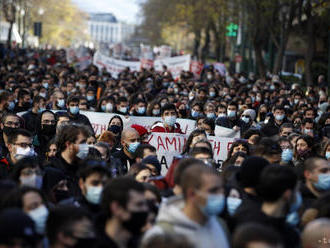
192,135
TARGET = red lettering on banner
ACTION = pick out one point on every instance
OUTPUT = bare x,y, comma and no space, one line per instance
150,138
229,145
216,147
184,142
103,128
95,127
167,141
160,143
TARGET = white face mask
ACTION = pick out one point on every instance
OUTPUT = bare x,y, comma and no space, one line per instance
33,181
83,151
39,216
24,152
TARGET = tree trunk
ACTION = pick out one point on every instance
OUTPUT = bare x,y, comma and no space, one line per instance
11,24
197,41
280,55
259,59
309,55
206,47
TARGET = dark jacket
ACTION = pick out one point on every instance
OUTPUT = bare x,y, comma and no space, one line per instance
125,161
290,236
230,123
70,172
308,197
30,120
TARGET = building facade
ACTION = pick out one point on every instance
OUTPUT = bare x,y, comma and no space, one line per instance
105,28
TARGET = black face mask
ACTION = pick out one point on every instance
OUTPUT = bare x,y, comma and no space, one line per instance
183,112
262,116
114,129
48,130
136,222
26,105
61,195
8,130
84,242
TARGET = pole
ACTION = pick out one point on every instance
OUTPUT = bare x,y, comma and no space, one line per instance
328,56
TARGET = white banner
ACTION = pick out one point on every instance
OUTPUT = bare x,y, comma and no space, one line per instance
175,64
114,66
171,145
100,121
226,132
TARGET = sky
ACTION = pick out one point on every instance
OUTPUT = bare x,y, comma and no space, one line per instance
124,10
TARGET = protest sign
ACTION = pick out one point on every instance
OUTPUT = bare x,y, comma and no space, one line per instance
80,57
221,68
170,145
100,121
196,68
114,66
226,132
174,64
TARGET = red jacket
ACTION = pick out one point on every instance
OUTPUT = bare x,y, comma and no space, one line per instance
160,128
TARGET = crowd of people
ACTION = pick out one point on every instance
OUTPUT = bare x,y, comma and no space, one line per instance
64,186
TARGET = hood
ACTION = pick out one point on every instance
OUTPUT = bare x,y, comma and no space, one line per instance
171,212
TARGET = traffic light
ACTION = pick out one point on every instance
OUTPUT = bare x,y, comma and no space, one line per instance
37,29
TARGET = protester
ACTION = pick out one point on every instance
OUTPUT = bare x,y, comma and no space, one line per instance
169,125
69,154
125,213
196,219
69,226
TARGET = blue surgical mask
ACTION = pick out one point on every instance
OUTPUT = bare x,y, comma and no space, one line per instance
103,108
210,115
279,117
141,110
74,110
60,103
93,194
215,204
212,94
40,110
11,105
323,182
39,217
245,119
83,151
222,115
132,147
194,114
45,85
231,113
287,155
327,155
156,111
233,204
90,98
307,131
123,109
170,120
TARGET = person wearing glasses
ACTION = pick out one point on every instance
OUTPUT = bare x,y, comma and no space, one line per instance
19,144
9,122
